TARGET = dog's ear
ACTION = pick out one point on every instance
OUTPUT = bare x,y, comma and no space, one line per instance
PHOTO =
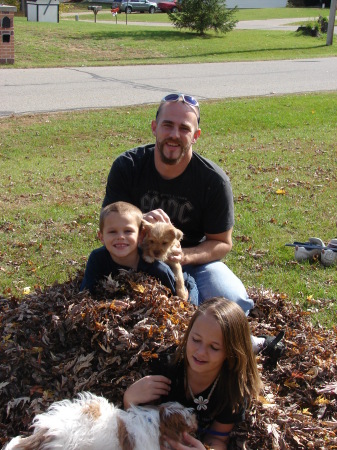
175,419
36,441
179,234
146,226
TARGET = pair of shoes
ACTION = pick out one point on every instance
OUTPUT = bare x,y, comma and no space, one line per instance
308,250
329,254
273,347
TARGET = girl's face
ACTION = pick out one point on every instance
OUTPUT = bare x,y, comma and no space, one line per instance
205,349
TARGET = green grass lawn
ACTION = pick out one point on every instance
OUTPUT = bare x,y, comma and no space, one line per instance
279,152
54,166
70,43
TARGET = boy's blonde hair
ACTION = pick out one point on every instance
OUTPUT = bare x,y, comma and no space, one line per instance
239,377
122,208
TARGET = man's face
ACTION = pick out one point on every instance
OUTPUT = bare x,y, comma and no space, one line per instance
176,129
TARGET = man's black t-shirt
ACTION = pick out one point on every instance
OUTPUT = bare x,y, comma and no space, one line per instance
198,201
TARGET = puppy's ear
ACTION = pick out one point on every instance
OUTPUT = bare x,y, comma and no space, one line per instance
179,234
146,226
34,442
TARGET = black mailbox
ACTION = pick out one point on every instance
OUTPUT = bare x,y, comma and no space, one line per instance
6,22
95,9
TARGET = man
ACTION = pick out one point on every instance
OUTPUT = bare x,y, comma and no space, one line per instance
168,181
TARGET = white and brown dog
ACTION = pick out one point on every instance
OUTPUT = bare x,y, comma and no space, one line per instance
92,423
158,241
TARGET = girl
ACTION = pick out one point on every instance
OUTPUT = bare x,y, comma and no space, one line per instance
214,371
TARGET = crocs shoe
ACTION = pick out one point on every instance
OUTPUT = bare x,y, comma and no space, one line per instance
303,252
329,254
273,347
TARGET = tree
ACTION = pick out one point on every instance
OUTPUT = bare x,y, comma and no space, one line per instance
203,15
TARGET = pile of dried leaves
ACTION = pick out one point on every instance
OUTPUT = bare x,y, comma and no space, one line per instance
58,342
298,409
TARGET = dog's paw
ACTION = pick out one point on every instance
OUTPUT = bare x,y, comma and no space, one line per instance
149,259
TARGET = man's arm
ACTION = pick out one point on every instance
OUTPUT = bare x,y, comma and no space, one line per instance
214,248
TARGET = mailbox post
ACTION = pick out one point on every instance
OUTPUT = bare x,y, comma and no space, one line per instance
95,9
7,34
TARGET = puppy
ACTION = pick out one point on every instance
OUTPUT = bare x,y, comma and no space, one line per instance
92,423
158,240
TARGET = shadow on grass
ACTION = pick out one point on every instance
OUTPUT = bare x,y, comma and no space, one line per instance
173,35
184,37
139,35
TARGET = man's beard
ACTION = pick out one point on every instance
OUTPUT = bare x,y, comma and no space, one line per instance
171,161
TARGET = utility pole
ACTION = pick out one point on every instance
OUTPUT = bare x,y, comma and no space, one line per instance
331,24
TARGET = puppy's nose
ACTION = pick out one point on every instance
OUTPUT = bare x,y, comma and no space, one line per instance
156,253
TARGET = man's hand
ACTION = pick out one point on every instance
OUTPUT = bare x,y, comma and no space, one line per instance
157,215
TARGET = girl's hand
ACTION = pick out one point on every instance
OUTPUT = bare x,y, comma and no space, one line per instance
190,443
146,390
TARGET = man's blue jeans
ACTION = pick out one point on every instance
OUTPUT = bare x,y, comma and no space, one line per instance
215,279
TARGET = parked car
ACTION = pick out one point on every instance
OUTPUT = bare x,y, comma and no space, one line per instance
137,5
169,6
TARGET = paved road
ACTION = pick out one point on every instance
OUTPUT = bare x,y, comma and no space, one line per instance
24,91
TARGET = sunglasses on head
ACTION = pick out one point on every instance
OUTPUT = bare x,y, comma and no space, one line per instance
188,99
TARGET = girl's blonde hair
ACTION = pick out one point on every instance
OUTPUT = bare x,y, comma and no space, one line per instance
239,377
120,208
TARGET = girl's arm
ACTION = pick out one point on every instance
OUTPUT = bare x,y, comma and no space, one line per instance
218,436
146,390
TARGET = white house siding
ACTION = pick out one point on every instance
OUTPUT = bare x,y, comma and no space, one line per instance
256,3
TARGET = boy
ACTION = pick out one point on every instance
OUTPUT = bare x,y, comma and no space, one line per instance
119,228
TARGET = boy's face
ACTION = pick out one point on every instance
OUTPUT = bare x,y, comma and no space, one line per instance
120,235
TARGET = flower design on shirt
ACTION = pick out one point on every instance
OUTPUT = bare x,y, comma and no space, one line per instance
201,402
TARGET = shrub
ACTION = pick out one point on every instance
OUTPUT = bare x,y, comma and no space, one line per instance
314,28
12,3
203,15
